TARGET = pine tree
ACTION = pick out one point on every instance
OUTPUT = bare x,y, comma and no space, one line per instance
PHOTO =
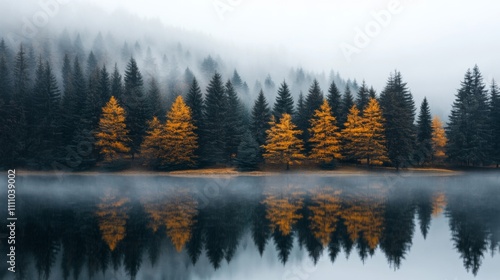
372,145
112,134
399,113
21,78
214,118
117,85
261,115
180,141
312,103
468,130
233,122
194,100
5,81
151,147
282,145
284,102
495,122
104,86
334,100
155,107
135,105
248,153
300,118
372,93
438,140
424,134
236,81
325,136
363,97
347,102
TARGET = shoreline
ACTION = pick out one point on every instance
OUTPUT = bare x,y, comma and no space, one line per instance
232,172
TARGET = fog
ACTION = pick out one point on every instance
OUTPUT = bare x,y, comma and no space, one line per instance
431,43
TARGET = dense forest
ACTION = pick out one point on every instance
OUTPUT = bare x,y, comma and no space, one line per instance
92,114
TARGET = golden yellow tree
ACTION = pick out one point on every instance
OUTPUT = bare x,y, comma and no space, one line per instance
151,148
351,135
372,145
112,218
438,139
282,210
282,144
179,141
325,136
112,132
325,213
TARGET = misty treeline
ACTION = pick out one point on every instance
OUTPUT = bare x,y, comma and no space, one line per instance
99,115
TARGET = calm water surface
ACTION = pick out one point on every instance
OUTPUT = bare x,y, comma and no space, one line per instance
275,227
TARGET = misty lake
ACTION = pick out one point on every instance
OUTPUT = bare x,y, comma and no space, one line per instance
409,226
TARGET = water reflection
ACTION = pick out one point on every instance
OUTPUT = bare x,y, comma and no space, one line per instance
116,228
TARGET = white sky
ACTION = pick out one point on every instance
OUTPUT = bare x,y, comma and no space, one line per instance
431,42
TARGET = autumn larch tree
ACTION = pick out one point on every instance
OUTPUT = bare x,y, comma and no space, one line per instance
372,145
325,136
282,145
424,134
495,122
151,147
261,115
438,140
351,134
112,134
179,142
284,102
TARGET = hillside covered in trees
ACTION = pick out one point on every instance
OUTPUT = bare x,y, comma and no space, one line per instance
68,103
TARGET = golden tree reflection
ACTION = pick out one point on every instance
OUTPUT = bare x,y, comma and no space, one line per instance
438,203
325,213
363,217
282,205
112,217
176,212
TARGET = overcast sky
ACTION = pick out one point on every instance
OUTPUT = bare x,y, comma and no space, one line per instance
431,42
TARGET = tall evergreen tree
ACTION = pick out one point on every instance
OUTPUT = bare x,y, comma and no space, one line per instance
300,118
194,100
334,100
313,102
236,81
261,115
363,96
398,110
5,81
104,86
21,77
117,85
214,119
372,93
155,107
284,102
248,153
135,105
347,102
233,122
495,122
468,129
424,134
